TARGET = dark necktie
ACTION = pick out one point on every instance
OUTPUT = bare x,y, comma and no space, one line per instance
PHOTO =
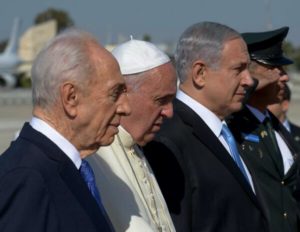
276,154
233,149
268,125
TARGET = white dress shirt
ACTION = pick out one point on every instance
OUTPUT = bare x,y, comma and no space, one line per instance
52,134
212,121
286,154
287,125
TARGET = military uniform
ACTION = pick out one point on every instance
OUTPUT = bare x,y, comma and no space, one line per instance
265,145
257,150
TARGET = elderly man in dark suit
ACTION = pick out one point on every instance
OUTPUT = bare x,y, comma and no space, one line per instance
265,145
206,184
78,99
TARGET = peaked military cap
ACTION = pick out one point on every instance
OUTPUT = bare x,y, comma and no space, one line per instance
266,47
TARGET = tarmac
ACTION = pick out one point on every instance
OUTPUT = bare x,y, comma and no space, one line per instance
16,108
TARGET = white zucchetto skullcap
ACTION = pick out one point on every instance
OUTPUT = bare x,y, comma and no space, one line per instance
137,56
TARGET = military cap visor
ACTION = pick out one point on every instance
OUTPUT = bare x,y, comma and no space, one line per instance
266,47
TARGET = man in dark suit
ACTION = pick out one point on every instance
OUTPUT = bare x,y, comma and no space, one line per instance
280,110
264,143
206,185
77,103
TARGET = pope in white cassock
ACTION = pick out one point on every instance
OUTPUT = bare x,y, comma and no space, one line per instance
127,185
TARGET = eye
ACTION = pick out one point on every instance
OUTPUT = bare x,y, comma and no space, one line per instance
118,91
164,100
241,68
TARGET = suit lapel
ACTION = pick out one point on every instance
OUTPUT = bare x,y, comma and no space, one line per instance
77,186
70,175
244,122
290,142
208,138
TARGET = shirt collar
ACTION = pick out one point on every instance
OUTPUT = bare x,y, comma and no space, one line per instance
259,115
52,134
287,125
211,120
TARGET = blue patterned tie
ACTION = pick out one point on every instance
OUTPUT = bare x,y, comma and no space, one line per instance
88,175
233,149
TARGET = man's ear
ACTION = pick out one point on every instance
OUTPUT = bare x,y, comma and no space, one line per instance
199,71
69,98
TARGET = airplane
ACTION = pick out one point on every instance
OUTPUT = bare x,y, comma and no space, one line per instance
9,59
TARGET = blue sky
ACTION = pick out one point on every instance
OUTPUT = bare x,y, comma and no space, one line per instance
164,20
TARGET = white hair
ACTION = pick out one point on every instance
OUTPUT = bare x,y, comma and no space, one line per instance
65,57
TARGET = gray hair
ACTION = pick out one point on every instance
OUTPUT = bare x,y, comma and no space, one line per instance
65,58
204,41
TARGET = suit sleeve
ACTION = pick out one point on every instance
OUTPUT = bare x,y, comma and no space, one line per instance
25,203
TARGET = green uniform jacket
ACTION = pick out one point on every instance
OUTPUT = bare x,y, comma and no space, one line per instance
257,150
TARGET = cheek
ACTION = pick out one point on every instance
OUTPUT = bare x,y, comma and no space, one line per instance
148,119
233,85
104,117
155,119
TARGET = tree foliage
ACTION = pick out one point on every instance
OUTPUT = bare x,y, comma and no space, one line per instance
62,17
147,38
293,53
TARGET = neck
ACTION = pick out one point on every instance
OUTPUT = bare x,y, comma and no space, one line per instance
54,119
200,97
258,103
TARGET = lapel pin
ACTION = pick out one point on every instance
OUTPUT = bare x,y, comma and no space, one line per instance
263,134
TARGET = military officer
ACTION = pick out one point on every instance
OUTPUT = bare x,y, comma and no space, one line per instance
265,145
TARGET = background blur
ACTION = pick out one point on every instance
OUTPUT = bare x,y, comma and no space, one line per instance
113,21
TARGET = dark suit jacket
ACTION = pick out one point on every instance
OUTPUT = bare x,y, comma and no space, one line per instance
203,187
277,188
41,189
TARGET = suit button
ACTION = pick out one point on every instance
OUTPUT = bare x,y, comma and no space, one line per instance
282,182
285,215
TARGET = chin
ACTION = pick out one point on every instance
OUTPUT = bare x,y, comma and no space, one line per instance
113,130
107,141
148,138
236,107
